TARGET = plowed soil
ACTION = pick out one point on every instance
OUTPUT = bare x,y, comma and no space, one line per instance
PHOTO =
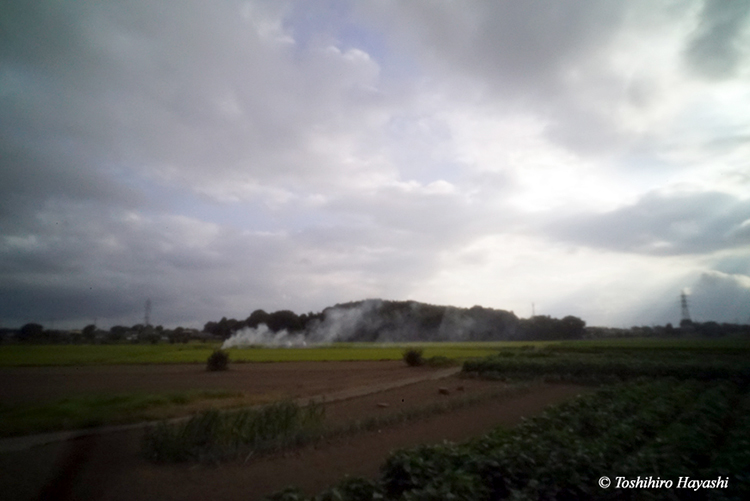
282,380
109,467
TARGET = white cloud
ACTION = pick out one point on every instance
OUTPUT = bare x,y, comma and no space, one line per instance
588,156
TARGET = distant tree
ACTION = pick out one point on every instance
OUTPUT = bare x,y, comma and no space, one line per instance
572,327
284,320
226,327
256,318
117,333
178,335
88,332
30,332
710,329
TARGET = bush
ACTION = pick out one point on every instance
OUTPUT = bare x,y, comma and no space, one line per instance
413,357
218,361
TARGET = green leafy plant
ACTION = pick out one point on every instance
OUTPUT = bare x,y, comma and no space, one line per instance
662,427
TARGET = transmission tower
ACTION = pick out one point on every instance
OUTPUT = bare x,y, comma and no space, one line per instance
147,316
685,311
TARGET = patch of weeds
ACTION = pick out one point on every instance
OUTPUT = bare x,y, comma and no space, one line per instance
440,361
215,435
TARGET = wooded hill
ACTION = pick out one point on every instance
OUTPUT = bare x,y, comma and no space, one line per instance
375,320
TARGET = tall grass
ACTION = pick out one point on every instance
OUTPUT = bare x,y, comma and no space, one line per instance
216,435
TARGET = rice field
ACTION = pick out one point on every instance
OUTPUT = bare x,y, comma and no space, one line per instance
115,354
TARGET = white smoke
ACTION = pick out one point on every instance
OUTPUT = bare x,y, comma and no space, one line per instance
373,320
340,324
263,336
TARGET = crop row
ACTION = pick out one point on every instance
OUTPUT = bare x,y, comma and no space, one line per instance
608,367
666,428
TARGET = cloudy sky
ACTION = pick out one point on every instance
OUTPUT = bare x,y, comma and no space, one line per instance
590,157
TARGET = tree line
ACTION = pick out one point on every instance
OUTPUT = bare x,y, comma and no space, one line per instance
380,320
377,320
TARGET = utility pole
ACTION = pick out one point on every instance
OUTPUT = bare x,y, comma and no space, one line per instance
533,311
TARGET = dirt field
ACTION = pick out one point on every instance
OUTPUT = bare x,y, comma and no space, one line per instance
282,379
109,467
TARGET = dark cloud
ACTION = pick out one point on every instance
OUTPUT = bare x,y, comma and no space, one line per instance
663,224
520,47
194,153
715,50
720,297
527,56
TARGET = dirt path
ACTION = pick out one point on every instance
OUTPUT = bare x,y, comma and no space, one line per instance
109,467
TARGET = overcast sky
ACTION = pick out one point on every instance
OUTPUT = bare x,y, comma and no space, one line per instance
591,157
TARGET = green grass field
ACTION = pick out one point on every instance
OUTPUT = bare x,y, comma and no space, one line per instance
87,411
48,355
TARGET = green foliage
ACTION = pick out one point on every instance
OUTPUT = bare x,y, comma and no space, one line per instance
663,427
413,357
440,361
607,365
17,355
218,361
216,435
352,489
95,410
733,457
543,327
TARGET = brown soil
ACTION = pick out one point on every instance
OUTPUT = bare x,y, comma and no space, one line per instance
279,380
109,467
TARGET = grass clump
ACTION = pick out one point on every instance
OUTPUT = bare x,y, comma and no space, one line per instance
216,435
218,361
413,357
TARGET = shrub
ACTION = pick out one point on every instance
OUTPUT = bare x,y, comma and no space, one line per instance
413,357
218,361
